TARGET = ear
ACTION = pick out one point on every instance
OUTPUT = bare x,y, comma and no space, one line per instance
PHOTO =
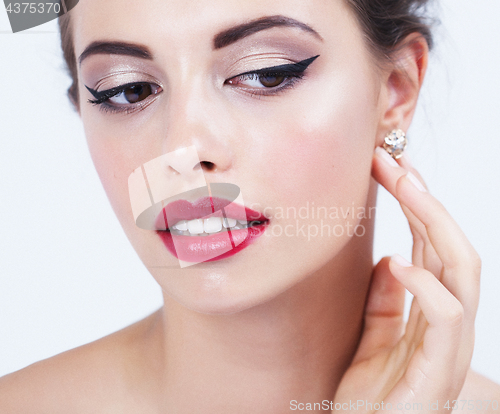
401,85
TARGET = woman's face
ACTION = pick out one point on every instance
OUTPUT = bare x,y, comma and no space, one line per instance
299,147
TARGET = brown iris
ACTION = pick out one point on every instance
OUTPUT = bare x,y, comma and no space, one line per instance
138,93
271,81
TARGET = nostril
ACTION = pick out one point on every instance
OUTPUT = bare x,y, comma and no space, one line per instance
206,166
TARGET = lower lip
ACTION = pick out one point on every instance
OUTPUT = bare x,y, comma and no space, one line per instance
204,248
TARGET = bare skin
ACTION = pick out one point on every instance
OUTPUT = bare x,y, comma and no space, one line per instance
119,373
248,336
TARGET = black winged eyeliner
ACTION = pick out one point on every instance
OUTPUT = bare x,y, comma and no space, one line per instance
290,68
109,93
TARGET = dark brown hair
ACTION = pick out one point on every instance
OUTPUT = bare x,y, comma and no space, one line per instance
385,24
68,49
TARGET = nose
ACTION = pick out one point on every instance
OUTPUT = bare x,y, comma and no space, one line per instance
185,161
197,115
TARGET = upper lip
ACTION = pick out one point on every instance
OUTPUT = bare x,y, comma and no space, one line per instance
204,207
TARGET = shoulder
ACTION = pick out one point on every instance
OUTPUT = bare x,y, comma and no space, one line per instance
480,392
79,380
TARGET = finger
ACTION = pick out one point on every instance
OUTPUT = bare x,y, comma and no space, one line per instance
443,312
430,259
461,263
426,257
460,260
383,321
418,246
405,162
438,356
415,327
423,253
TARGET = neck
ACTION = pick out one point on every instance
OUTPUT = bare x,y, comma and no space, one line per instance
294,347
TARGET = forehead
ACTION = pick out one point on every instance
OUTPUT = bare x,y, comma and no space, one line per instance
192,24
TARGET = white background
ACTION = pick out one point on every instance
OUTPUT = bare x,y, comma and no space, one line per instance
68,275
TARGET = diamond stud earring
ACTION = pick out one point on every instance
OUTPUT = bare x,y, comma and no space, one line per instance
395,143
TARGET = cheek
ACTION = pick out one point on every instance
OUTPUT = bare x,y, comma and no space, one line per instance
323,147
113,161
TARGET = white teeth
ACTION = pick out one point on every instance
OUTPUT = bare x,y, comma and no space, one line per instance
204,227
195,226
212,225
229,222
181,225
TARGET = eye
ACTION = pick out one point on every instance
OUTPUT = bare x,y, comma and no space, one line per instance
125,97
134,94
256,80
271,80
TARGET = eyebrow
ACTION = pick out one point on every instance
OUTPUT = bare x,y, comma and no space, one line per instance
116,48
233,34
221,40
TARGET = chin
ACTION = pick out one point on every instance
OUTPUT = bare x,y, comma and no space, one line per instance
211,296
239,285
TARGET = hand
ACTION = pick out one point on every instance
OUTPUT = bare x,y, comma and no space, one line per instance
427,360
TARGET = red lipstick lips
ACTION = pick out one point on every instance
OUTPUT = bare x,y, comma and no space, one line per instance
215,245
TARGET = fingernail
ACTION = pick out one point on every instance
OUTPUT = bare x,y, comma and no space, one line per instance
401,261
416,182
386,157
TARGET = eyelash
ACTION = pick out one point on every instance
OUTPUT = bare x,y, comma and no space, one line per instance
103,97
292,73
290,80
